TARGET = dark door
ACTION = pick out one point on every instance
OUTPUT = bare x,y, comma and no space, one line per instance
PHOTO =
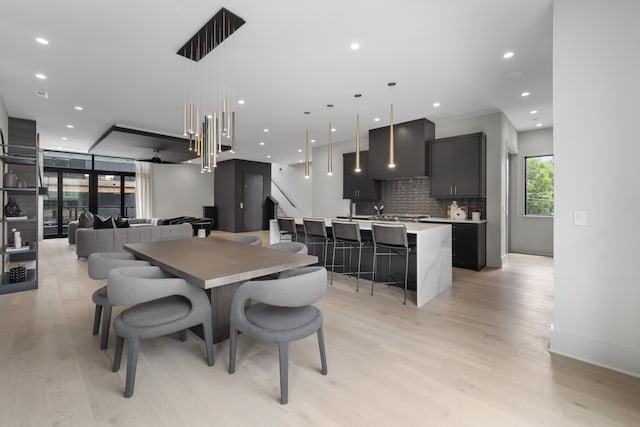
252,200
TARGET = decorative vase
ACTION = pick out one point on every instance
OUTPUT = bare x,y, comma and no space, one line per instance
12,208
10,180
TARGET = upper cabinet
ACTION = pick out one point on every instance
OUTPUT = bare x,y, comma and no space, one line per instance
458,166
358,185
411,153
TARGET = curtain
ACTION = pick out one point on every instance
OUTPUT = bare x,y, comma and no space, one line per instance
144,198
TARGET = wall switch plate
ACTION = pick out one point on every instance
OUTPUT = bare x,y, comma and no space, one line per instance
580,217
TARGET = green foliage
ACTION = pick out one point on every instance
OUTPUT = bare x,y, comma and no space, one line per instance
539,176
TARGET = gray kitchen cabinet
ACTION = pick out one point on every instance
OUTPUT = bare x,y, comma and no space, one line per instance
458,166
411,150
358,185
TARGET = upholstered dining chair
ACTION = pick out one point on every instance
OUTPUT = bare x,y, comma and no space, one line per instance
161,305
100,264
282,313
249,240
294,247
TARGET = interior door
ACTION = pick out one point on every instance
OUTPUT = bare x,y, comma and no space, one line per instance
252,201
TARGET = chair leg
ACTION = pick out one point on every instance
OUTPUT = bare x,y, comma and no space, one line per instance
323,354
326,247
183,335
406,276
373,275
96,319
106,323
359,268
208,341
132,364
283,350
333,262
233,342
117,356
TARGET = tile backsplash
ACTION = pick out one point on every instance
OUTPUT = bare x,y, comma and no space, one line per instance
413,196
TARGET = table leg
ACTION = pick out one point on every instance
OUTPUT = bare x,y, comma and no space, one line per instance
220,298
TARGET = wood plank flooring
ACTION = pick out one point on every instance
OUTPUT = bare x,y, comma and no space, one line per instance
474,356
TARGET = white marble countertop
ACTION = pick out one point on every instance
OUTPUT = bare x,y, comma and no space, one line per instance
464,221
412,227
424,220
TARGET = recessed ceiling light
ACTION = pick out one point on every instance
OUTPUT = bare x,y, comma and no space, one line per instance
42,40
508,55
261,143
333,129
241,101
538,125
525,93
79,108
64,138
70,126
436,104
266,130
377,119
355,45
41,76
59,148
313,140
299,150
300,161
533,111
268,157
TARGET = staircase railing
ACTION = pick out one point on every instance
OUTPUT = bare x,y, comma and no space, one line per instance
283,193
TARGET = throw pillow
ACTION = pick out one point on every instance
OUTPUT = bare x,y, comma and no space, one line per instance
121,223
85,220
100,223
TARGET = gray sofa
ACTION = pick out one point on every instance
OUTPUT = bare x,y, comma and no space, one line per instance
90,240
74,225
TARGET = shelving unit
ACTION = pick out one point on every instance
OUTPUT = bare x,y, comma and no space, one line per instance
22,161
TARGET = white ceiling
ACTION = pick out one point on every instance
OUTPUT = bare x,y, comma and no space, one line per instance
117,59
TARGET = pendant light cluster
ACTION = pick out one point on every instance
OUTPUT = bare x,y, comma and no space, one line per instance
306,148
208,120
392,163
329,145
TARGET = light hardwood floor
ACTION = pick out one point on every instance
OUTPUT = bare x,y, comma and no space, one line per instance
476,355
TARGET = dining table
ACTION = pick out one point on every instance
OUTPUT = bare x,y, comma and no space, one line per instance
219,266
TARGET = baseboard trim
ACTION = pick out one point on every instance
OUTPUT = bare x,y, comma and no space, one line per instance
611,356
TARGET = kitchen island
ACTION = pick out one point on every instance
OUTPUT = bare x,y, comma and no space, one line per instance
430,270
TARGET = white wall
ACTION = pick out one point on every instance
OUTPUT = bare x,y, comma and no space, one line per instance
180,190
4,120
529,234
491,125
595,103
298,188
327,190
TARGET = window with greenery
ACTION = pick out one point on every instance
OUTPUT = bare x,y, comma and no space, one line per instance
539,185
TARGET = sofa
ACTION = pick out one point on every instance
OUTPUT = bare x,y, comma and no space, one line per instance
90,240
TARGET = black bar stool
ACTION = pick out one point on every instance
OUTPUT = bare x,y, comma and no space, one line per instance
346,235
287,226
316,229
390,240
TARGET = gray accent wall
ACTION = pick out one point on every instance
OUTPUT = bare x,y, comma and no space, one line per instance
528,234
595,137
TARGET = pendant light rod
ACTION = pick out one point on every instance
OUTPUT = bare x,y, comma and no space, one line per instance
329,146
358,96
306,148
392,163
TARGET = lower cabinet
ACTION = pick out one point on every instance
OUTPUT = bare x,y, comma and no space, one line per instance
469,245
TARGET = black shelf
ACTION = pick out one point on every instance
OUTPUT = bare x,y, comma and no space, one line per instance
7,287
33,247
11,221
18,160
20,190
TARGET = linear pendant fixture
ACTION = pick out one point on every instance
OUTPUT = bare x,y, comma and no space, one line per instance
358,169
306,149
329,146
392,163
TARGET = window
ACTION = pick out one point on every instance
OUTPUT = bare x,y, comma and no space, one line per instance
539,185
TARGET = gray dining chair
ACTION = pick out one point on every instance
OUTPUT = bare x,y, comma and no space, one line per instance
161,305
100,264
294,247
390,240
282,313
249,240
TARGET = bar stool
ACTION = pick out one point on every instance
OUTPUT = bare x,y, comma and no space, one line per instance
390,240
287,226
346,235
316,229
